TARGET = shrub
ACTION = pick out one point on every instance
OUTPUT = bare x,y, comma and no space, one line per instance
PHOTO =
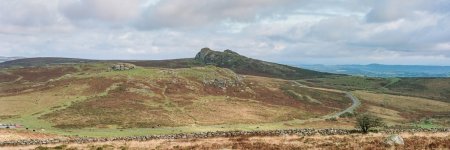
347,115
331,119
367,121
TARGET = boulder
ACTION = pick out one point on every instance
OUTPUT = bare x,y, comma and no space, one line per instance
394,139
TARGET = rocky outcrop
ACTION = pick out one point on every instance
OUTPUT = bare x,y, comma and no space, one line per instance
122,66
244,65
394,139
202,54
227,58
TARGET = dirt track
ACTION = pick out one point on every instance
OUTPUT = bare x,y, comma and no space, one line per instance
355,104
355,101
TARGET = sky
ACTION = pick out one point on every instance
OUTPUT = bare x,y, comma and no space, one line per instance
286,31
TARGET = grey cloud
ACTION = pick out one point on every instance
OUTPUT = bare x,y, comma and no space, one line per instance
182,13
391,10
387,10
20,13
335,29
115,11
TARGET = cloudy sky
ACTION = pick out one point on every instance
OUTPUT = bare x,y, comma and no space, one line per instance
285,31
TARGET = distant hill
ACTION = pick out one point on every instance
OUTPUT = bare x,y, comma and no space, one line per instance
378,70
3,59
42,61
244,65
226,59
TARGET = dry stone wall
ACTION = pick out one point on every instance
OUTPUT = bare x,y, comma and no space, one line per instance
299,132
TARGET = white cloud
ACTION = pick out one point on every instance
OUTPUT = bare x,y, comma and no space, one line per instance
442,47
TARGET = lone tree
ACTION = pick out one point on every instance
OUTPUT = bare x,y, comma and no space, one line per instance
367,121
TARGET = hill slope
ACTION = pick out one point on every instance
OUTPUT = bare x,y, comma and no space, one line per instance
91,95
43,61
3,59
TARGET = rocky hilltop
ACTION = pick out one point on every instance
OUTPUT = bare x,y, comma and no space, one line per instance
244,65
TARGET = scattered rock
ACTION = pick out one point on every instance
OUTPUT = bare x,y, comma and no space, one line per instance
394,139
226,79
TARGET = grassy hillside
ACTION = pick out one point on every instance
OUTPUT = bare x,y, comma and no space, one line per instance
348,83
90,95
401,110
434,88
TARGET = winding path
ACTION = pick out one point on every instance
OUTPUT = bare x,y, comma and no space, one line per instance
355,102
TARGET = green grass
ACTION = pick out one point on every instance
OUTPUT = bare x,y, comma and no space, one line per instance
137,72
34,123
208,72
427,124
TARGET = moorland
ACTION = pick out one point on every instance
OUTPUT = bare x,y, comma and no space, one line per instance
214,91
